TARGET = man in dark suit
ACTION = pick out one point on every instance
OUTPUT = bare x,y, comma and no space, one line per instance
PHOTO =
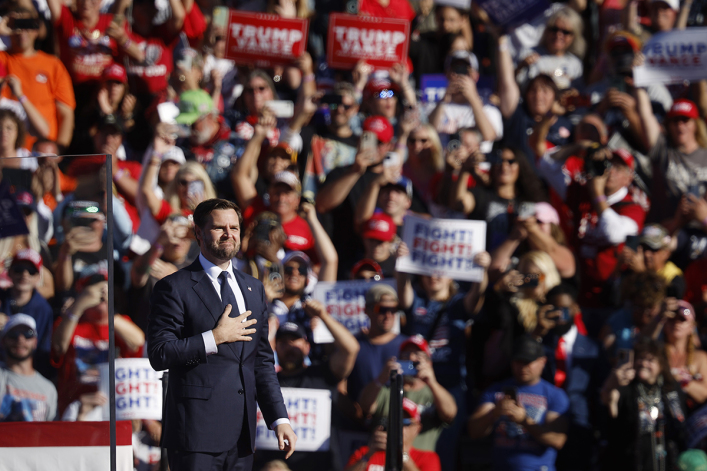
219,361
576,364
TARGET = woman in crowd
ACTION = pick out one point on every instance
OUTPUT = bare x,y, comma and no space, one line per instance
675,153
189,187
646,412
12,140
559,53
425,160
688,365
499,204
511,309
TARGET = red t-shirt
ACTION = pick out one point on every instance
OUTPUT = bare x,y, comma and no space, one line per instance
424,460
78,368
152,75
299,236
85,53
597,258
395,9
134,169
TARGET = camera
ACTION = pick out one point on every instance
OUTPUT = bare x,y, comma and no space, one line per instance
592,166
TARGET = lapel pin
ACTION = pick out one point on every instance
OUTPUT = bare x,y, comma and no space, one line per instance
249,289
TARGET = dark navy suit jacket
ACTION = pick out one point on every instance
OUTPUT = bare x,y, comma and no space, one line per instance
210,399
584,379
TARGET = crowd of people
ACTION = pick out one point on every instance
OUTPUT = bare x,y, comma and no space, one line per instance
580,349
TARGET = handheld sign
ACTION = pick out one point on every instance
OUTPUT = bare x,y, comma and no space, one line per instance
513,12
138,389
673,57
433,87
381,42
265,40
345,301
309,412
443,247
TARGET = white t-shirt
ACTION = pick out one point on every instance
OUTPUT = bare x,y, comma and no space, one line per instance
456,116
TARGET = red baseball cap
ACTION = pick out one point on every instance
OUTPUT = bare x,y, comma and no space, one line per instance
380,126
412,409
28,255
625,157
418,341
378,84
379,227
115,72
684,108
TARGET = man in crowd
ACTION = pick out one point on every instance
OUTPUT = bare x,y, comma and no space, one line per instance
378,234
380,343
525,414
25,273
292,349
372,457
436,405
25,395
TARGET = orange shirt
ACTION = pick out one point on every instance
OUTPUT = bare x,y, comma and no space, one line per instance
44,82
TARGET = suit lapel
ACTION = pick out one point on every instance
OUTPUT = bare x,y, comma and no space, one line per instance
206,292
250,302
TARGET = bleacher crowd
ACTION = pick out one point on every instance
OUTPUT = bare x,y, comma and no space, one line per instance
583,346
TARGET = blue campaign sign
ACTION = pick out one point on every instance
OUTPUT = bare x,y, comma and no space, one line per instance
513,12
433,87
12,222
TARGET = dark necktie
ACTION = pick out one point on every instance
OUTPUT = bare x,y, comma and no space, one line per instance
227,296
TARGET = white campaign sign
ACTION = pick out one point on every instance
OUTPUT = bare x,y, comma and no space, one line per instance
138,389
673,57
345,301
310,416
443,247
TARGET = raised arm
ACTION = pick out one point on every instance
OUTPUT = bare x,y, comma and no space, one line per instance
651,128
91,296
342,361
65,115
323,245
366,205
461,198
243,185
55,10
406,295
37,121
508,90
129,332
333,193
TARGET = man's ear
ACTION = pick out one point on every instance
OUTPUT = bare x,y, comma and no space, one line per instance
197,234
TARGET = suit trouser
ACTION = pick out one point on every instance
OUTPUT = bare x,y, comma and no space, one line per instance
238,458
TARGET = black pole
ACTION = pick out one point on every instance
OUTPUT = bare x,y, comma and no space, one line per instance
111,311
394,445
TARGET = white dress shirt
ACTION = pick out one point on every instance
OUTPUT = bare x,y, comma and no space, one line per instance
213,272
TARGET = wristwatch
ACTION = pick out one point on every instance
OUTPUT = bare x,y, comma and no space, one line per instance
406,457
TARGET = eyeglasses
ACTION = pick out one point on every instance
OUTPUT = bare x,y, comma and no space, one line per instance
290,270
508,161
386,309
420,140
27,333
19,269
555,29
385,94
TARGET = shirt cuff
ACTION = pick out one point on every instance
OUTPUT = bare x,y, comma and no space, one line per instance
210,342
279,422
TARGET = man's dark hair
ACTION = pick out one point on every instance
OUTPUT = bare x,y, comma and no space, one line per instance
44,140
21,130
545,80
205,208
563,288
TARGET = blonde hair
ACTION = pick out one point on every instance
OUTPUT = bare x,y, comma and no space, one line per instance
578,46
528,307
190,168
701,133
436,150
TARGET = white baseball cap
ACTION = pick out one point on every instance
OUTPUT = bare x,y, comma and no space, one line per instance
19,319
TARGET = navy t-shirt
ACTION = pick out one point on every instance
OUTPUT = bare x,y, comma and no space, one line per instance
519,127
514,448
448,339
370,361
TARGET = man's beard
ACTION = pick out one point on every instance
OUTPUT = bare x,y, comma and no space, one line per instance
223,252
298,292
19,358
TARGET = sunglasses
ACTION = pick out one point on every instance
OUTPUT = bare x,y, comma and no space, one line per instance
507,161
421,140
555,29
254,89
27,333
185,182
386,310
19,269
291,270
385,94
344,106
